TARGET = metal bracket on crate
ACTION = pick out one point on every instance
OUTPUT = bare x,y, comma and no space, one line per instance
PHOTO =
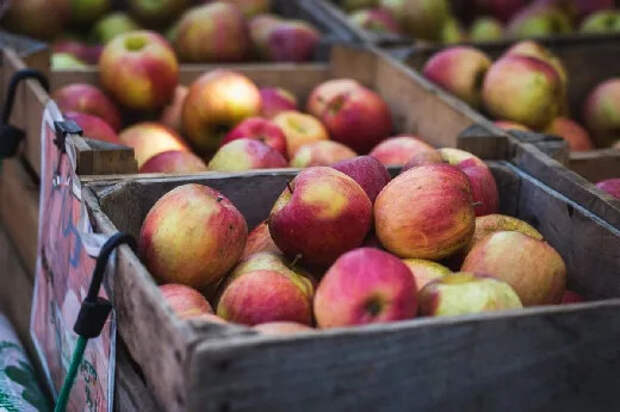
10,136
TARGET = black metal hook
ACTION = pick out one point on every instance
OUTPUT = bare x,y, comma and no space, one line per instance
16,79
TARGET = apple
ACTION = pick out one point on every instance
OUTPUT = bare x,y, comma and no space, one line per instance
489,224
85,98
156,12
604,21
531,266
611,186
356,117
452,32
210,317
322,153
287,41
325,92
185,302
483,187
365,286
460,70
94,127
213,32
540,20
396,151
601,112
376,20
246,154
466,293
251,8
523,89
139,69
192,235
87,11
66,61
42,19
89,54
571,297
425,271
171,114
149,139
216,102
320,215
585,7
262,130
259,240
276,100
111,25
486,29
351,5
367,171
260,28
423,158
173,161
500,9
508,125
421,19
576,136
282,328
299,129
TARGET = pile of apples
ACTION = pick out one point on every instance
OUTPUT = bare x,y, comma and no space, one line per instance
346,245
445,21
200,31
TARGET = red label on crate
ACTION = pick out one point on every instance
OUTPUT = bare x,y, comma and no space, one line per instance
65,264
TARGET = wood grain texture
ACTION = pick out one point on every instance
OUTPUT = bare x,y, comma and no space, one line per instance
130,391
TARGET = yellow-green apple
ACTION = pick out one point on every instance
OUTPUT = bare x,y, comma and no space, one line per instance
396,151
171,115
601,112
459,70
193,235
486,29
216,102
539,20
483,187
420,18
42,19
87,11
452,32
85,98
611,186
322,153
572,297
508,125
262,130
426,212
604,21
364,286
465,293
351,5
174,161
299,129
576,136
276,100
213,32
291,41
320,215
326,92
66,61
531,266
282,328
184,301
139,69
259,240
426,157
523,89
246,154
111,25
358,118
367,171
156,12
251,8
501,9
376,20
425,271
93,127
149,139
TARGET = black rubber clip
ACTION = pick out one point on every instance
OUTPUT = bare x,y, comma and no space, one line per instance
10,136
95,310
63,128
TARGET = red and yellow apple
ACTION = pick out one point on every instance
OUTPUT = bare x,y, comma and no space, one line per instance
367,171
576,136
85,98
282,328
299,129
259,240
185,302
149,139
601,112
396,151
246,154
322,94
376,20
322,153
284,40
94,127
173,161
262,130
276,100
171,115
425,271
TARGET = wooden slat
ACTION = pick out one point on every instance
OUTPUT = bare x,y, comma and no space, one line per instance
596,165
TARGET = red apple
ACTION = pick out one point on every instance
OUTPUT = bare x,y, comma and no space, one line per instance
533,49
425,271
262,130
576,136
259,240
611,186
171,115
365,286
174,161
423,158
84,52
94,127
216,102
193,235
246,154
425,212
572,297
320,215
532,267
323,153
282,328
367,171
185,302
149,139
276,100
326,92
601,112
299,129
85,98
396,151
285,40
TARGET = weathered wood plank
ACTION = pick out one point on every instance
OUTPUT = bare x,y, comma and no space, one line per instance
130,392
596,165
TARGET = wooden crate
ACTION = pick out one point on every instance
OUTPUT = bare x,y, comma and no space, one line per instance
530,359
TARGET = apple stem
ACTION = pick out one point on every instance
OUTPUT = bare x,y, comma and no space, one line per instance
290,189
295,260
219,198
